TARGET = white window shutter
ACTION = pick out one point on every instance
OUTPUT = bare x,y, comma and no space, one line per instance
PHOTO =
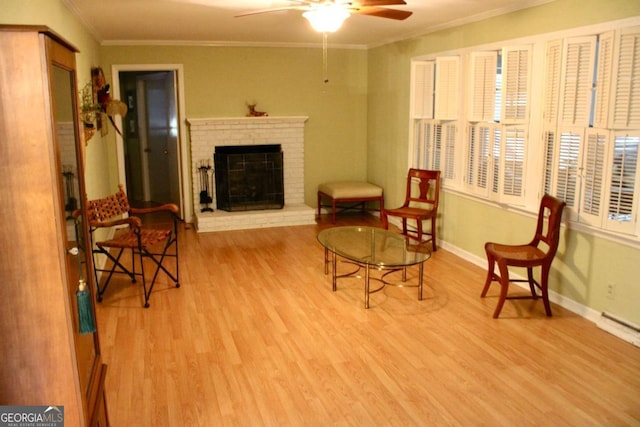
421,143
569,155
483,86
552,73
496,156
513,162
626,104
577,81
436,136
549,156
450,138
623,183
478,163
594,166
447,87
516,68
423,86
427,138
603,80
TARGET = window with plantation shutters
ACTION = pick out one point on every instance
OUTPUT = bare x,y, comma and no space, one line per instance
594,165
576,89
496,148
554,115
516,66
435,109
626,104
447,87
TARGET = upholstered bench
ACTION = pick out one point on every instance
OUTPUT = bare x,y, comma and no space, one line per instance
349,192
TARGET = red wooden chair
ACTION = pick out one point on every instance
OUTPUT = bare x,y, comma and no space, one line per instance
538,253
420,204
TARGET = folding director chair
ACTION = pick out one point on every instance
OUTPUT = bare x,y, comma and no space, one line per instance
155,244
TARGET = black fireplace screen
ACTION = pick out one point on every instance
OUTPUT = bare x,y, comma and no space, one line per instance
249,177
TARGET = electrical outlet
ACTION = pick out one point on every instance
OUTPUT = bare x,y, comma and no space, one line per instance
611,291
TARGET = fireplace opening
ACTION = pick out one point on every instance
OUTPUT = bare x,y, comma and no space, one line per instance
249,177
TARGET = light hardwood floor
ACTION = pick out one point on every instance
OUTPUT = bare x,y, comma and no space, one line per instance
255,337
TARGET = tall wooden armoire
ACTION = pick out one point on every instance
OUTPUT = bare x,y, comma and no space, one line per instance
44,359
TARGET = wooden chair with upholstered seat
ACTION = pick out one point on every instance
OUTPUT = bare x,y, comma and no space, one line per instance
155,244
538,253
420,204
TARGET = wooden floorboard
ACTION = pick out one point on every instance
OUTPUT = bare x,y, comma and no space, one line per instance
255,336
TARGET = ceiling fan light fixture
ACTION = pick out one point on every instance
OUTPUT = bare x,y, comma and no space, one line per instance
326,18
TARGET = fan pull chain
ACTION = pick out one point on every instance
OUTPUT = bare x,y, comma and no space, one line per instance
324,58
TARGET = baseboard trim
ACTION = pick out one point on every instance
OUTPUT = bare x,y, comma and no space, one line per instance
616,326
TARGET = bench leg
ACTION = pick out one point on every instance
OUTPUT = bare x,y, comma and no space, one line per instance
334,202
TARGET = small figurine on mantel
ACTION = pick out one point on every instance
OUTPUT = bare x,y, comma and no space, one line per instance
254,113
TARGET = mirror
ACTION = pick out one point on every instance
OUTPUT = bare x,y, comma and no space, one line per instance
69,151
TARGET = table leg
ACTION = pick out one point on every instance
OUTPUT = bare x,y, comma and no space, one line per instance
326,261
334,264
366,287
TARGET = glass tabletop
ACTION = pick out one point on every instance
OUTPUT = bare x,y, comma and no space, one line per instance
374,246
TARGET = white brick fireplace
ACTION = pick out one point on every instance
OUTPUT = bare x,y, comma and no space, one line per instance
206,134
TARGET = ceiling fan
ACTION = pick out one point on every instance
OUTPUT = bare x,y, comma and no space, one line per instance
328,15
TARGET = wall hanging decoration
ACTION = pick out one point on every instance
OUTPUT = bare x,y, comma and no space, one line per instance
97,105
88,112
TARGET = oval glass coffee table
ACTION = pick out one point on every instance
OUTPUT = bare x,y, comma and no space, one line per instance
370,247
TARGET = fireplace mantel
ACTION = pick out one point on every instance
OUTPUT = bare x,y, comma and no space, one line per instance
250,119
288,131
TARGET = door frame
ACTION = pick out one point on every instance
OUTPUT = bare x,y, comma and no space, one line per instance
183,140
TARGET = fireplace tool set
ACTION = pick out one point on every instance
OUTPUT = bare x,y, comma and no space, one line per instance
205,195
71,203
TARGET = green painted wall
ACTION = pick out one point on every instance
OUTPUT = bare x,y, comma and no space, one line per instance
585,264
219,81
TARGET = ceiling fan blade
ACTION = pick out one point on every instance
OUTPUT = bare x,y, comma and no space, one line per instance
384,13
364,3
277,9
